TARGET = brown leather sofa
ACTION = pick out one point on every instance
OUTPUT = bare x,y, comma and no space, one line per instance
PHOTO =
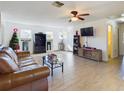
18,72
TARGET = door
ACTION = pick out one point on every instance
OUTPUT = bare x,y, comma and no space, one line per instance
109,41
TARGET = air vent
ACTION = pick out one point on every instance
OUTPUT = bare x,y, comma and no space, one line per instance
57,4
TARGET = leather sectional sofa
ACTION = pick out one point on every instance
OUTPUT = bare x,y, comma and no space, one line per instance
18,72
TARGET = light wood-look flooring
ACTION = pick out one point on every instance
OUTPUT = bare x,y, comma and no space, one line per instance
82,74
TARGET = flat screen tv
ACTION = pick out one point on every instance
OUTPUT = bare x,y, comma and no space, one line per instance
86,31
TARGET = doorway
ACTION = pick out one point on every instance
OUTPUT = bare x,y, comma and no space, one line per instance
121,39
109,41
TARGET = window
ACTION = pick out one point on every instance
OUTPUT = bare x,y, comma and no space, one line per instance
25,35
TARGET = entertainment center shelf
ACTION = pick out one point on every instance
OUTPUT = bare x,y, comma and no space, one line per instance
94,54
85,51
76,44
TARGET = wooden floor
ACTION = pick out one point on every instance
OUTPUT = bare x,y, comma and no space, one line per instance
84,74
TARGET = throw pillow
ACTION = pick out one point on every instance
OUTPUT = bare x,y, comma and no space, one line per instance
7,64
11,53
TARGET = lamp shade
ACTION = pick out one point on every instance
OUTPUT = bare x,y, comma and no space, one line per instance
49,35
25,35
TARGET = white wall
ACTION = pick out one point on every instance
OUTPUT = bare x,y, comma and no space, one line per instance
121,39
0,37
0,31
8,31
99,40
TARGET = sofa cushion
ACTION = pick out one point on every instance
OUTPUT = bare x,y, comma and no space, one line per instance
26,63
11,53
7,64
26,58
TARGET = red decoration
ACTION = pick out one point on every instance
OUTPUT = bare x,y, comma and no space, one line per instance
17,47
15,29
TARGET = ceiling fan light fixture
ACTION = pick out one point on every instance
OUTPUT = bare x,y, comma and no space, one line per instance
74,18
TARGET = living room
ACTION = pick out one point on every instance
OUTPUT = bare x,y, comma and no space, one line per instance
54,20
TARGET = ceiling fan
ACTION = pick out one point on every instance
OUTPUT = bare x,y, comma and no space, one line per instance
77,16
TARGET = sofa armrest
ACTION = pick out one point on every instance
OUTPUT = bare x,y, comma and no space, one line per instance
22,54
27,76
22,77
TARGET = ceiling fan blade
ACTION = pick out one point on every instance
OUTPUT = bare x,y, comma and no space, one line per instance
84,14
80,18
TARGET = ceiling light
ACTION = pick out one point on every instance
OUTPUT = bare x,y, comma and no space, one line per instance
74,18
121,19
122,14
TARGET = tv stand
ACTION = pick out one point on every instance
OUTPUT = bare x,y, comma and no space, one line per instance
90,53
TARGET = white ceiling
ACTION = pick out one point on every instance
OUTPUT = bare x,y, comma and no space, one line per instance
42,12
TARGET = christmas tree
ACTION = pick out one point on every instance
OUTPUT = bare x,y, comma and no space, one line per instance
14,42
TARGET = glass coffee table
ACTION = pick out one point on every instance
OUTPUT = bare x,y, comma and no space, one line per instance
52,61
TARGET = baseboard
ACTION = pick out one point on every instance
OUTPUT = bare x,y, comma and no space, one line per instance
62,50
68,50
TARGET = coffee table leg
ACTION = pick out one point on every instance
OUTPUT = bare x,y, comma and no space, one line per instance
62,67
51,69
43,61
